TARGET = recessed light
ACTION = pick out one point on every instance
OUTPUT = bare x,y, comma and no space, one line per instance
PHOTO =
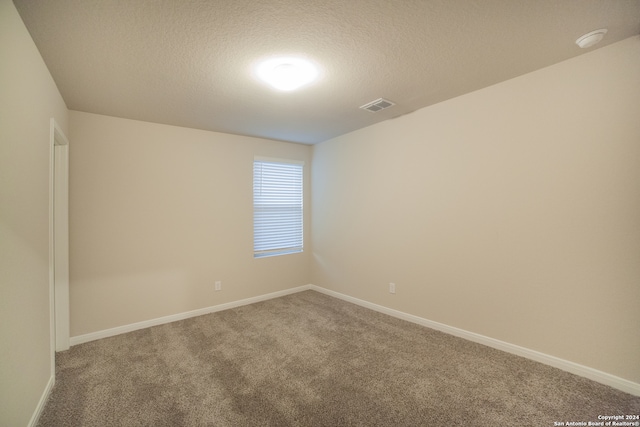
287,73
589,39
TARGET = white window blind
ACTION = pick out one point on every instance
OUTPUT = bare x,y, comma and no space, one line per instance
277,208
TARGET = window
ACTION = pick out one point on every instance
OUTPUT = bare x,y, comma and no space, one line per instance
277,207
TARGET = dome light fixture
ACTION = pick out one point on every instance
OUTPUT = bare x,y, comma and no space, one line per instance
590,39
287,73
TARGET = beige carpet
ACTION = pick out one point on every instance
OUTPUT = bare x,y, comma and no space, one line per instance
312,360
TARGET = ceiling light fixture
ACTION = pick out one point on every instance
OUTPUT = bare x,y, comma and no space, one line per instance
287,73
589,39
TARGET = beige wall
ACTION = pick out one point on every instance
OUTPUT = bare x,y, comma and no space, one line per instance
512,212
29,98
158,213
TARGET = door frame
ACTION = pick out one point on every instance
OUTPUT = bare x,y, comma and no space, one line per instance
58,240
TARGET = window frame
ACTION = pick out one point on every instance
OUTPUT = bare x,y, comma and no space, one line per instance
291,205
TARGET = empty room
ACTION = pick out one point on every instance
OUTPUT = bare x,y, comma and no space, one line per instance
320,213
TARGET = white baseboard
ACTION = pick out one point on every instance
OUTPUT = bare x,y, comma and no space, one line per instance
565,365
80,339
43,401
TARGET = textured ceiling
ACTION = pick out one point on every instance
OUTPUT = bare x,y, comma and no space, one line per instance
189,63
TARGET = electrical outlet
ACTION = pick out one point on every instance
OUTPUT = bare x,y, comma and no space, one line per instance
392,288
218,285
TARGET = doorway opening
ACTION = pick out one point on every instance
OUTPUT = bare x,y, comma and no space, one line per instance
58,240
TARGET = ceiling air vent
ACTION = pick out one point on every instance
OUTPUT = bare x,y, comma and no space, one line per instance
377,105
